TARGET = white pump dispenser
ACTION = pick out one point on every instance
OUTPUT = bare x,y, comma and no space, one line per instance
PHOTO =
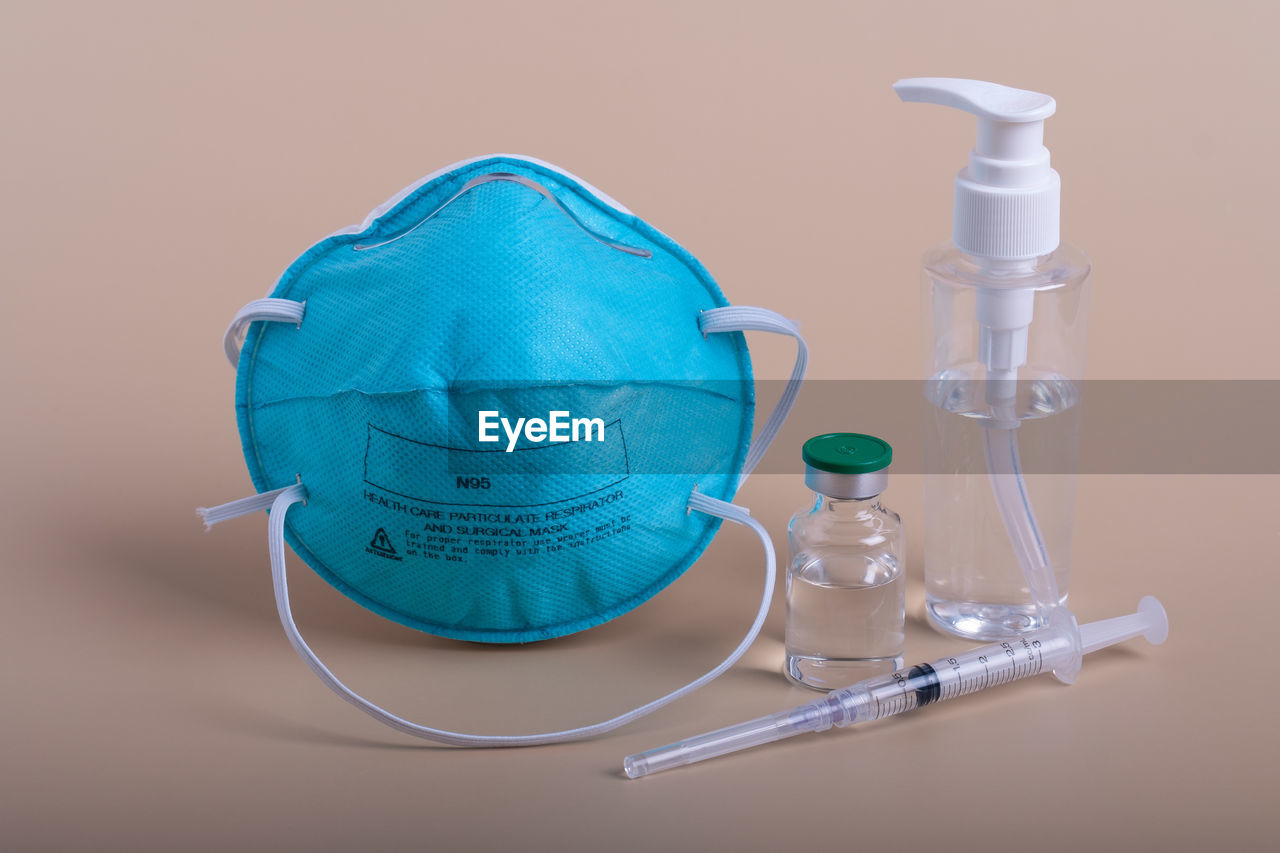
1007,198
1006,205
1004,266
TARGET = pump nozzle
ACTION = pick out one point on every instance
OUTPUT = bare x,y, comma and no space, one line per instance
985,100
1010,121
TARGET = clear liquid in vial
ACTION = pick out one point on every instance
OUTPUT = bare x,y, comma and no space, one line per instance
841,633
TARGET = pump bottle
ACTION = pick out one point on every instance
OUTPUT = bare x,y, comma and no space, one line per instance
1005,329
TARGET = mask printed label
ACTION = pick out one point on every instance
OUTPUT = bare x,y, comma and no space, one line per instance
456,503
452,534
530,475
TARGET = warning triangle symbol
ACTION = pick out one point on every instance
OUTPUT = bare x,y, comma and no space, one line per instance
382,542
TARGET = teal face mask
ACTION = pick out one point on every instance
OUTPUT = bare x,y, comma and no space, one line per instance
503,409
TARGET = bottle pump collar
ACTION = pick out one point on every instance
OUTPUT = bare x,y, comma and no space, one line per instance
1007,198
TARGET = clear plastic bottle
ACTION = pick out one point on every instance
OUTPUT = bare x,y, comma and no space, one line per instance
975,585
846,576
1005,321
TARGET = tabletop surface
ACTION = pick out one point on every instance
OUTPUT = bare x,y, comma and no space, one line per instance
163,163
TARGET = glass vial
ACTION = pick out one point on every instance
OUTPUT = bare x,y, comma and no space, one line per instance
846,592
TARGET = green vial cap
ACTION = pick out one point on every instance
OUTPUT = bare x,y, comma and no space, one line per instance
847,453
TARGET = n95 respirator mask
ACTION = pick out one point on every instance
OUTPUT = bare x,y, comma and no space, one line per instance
502,409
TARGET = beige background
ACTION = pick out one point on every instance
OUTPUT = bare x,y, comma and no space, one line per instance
162,163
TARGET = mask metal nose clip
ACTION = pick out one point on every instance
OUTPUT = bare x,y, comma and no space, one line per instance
524,182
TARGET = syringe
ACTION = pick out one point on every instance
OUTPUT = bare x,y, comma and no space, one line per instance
905,690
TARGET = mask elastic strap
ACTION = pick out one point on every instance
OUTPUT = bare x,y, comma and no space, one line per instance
743,318
212,515
284,498
269,310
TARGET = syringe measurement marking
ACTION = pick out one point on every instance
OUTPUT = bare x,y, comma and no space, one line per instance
929,685
950,691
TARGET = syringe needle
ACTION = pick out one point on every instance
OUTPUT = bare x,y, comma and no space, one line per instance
812,717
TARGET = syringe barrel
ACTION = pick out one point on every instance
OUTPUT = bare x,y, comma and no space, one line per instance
967,672
812,717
